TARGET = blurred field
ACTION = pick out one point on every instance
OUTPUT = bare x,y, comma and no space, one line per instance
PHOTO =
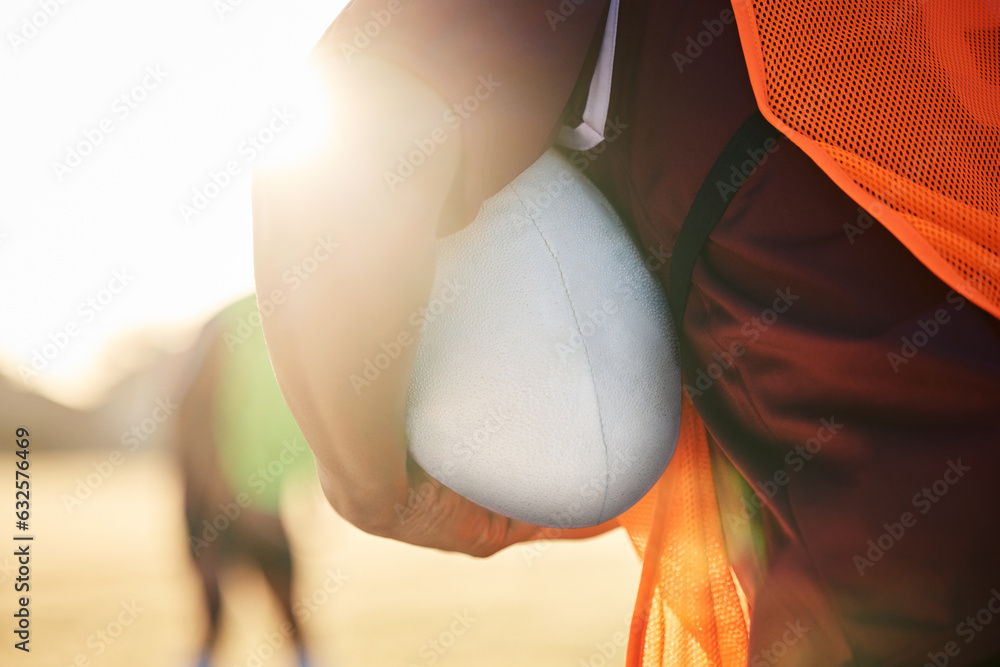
121,556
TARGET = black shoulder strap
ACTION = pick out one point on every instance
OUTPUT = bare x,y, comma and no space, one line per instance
749,144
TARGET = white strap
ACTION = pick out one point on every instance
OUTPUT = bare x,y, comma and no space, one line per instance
590,132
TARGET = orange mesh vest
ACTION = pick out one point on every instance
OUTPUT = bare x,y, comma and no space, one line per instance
899,104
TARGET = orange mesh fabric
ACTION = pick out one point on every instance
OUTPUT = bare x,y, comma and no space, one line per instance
688,610
898,101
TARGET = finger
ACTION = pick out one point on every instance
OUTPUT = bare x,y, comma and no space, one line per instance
440,518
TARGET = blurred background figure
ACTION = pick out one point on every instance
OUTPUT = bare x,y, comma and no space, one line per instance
237,446
107,498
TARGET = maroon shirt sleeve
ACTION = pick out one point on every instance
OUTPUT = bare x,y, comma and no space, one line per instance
507,69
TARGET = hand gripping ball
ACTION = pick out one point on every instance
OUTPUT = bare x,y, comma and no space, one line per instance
546,384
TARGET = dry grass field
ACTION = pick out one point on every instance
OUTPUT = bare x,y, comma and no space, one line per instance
111,586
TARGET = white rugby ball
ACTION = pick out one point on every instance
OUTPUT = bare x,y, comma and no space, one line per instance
546,384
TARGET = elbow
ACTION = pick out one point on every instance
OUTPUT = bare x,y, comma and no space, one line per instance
376,513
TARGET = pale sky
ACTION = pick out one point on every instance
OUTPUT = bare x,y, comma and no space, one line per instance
159,96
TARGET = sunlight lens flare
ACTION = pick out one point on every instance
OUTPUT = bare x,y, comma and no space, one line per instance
309,103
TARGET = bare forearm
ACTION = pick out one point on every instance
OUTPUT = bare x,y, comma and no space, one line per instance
361,297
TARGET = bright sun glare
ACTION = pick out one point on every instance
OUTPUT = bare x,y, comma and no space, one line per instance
127,149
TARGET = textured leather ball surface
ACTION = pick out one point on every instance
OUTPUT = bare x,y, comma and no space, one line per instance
546,384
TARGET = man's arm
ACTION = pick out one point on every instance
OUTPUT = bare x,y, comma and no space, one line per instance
362,296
